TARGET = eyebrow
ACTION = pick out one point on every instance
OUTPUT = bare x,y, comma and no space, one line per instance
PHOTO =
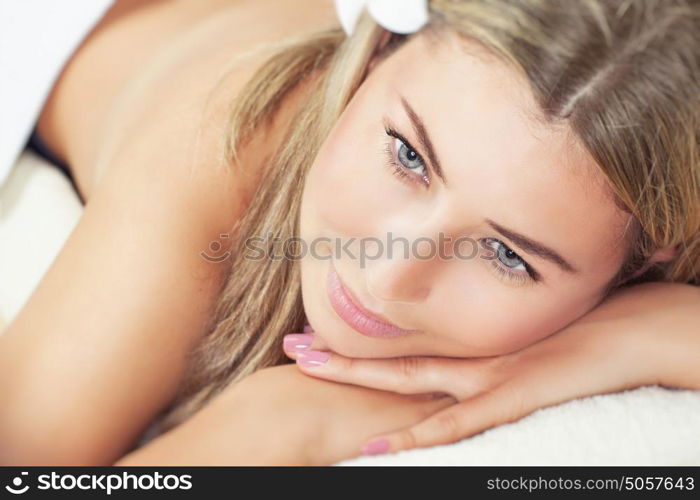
423,138
533,247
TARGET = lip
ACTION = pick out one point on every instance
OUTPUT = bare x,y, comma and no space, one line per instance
360,319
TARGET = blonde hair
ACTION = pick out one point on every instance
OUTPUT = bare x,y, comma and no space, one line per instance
623,74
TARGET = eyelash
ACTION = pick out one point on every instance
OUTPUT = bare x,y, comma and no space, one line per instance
519,278
395,165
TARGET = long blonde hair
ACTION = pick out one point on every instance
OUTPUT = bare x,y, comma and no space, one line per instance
623,74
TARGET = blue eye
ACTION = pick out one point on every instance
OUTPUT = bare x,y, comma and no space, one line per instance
509,257
509,264
404,160
408,157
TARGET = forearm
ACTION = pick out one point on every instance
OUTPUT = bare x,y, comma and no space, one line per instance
186,446
232,429
194,445
281,416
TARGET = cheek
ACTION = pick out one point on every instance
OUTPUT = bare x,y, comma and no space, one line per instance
348,189
529,322
482,318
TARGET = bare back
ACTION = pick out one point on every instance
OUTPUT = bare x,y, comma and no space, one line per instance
145,55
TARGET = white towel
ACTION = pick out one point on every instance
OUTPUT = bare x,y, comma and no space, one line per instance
644,426
37,37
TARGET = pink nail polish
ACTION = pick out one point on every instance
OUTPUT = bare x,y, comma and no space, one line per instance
308,328
376,447
296,342
313,358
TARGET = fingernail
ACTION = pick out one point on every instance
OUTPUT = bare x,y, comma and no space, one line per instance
376,447
313,358
296,342
308,328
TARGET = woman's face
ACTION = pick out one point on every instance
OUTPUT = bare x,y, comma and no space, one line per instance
518,235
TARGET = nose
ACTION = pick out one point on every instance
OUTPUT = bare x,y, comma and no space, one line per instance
408,273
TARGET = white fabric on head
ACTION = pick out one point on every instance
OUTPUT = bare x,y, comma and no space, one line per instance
405,16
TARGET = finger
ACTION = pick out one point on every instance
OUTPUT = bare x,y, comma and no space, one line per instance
454,423
404,375
294,342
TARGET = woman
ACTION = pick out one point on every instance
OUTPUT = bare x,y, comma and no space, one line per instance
562,140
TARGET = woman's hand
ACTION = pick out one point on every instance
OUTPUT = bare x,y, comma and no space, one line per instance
643,335
279,416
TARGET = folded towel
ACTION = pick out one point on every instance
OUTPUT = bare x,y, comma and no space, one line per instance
648,425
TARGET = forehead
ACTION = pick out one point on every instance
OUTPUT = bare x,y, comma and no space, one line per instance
500,159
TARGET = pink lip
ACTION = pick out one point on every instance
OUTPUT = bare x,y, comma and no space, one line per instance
359,318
